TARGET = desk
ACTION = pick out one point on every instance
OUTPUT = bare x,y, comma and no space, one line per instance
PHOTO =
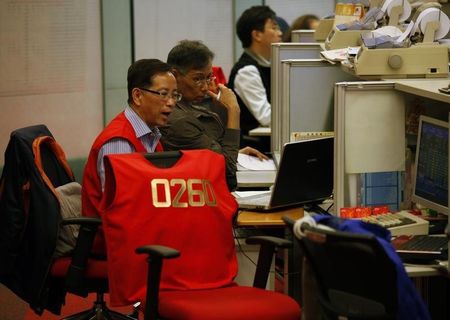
433,286
415,271
260,132
291,280
271,219
424,88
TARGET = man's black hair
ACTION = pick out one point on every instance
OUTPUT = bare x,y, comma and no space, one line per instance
254,18
142,72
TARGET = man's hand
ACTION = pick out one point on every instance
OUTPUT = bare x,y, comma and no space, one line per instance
225,96
253,152
227,99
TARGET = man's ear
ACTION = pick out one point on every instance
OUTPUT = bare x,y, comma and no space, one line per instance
176,72
256,35
137,96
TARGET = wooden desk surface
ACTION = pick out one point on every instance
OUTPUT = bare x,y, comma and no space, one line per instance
254,218
416,271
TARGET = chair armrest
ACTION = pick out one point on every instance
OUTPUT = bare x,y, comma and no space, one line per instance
75,279
266,251
156,255
268,240
82,221
158,251
288,221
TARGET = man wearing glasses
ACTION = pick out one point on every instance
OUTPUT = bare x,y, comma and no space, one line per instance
193,125
152,95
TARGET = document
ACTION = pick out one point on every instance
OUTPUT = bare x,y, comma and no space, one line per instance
335,55
246,162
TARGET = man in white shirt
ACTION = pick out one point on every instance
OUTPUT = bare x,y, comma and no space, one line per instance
257,29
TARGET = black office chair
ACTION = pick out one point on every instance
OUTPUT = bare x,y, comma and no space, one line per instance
355,277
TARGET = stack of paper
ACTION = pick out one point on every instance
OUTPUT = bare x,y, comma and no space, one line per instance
246,162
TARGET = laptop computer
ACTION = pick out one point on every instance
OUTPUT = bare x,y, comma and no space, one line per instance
304,175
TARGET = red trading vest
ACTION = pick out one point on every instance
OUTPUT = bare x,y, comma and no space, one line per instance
187,207
119,127
220,76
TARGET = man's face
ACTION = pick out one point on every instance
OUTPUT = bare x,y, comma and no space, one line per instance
155,107
194,84
271,33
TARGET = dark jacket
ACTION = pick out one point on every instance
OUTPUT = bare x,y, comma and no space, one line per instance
29,220
196,127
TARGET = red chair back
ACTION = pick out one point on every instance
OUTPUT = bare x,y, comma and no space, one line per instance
187,206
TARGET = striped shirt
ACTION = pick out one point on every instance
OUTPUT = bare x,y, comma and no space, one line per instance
149,137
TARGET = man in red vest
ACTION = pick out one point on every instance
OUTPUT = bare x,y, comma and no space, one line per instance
152,95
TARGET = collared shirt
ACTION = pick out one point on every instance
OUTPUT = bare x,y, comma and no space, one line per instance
259,58
250,88
149,138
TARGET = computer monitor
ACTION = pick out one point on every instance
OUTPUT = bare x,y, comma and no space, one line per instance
430,176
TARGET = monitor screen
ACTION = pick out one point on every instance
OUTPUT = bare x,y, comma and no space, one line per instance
430,184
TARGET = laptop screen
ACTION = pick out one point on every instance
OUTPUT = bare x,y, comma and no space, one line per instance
305,174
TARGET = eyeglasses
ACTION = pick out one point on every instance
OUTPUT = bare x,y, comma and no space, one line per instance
165,95
199,81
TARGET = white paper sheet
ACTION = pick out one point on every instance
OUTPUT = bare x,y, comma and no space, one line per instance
247,162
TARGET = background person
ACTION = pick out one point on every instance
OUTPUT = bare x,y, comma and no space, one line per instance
257,29
304,22
282,24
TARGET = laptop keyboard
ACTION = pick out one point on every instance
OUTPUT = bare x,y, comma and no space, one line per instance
257,199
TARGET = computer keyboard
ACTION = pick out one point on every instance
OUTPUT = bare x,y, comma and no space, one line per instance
389,220
400,223
426,243
421,247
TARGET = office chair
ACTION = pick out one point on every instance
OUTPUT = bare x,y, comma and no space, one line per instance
354,275
231,302
196,281
30,212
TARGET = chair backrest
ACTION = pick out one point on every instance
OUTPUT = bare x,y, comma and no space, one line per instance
181,207
30,213
355,276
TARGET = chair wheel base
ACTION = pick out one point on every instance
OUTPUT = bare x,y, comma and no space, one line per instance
100,312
